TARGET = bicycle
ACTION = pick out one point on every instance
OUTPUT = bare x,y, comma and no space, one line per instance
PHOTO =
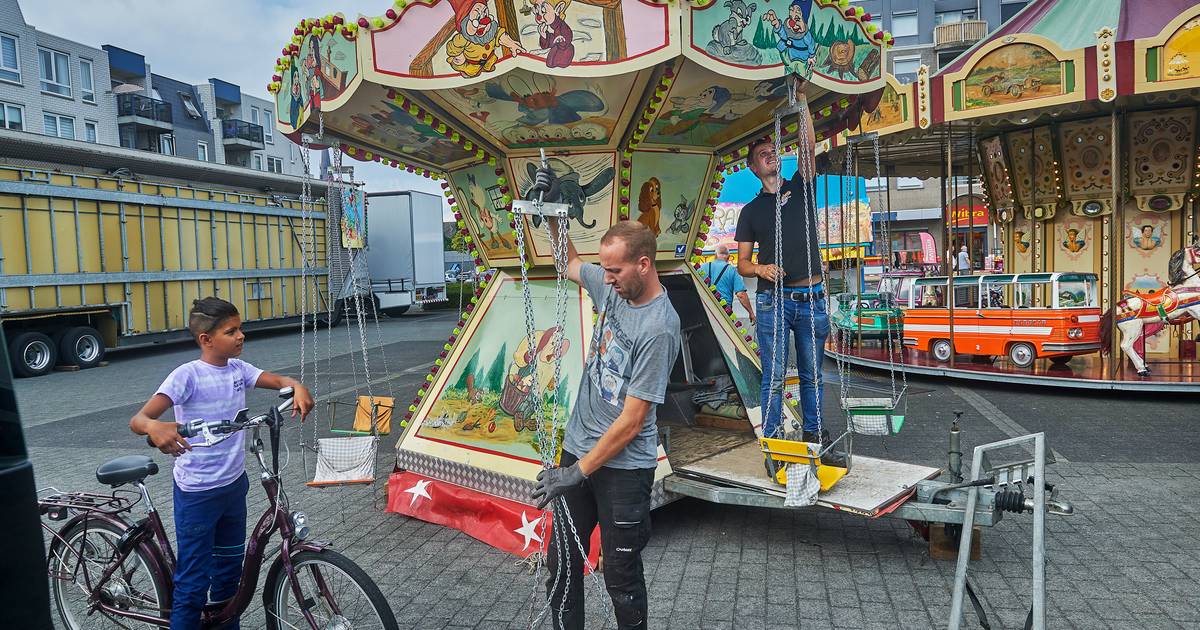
106,570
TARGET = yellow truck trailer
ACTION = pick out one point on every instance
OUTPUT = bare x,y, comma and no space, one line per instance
104,247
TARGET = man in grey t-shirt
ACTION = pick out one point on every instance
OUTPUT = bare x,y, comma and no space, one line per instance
611,444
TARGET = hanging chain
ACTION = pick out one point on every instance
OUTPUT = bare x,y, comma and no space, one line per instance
806,165
778,341
843,341
885,227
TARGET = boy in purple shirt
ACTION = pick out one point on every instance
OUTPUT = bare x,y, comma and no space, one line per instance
210,482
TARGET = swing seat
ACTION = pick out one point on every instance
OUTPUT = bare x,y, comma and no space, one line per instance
362,416
873,416
780,452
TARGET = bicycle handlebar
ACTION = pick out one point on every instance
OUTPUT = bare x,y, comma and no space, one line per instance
194,428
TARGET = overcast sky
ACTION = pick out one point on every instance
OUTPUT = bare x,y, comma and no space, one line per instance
233,40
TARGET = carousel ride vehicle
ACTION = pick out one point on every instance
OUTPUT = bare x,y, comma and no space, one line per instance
1090,167
639,108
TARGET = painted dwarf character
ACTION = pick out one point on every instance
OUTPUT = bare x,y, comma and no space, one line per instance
474,47
517,398
554,34
796,43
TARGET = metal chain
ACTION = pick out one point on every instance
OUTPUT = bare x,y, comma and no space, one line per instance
806,165
885,225
307,246
778,341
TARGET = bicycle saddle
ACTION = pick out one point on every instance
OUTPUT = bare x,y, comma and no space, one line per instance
122,470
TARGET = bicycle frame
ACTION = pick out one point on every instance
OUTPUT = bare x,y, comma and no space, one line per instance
150,535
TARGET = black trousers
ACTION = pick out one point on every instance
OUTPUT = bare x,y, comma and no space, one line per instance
619,501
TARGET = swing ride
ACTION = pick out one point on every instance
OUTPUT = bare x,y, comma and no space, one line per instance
638,108
1092,170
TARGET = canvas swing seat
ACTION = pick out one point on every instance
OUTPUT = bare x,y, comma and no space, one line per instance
873,415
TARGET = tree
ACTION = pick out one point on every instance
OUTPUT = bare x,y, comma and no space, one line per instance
472,366
764,37
494,379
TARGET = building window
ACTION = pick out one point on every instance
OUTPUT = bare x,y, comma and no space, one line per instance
86,86
60,126
166,144
254,115
906,183
202,151
257,162
275,165
950,17
875,183
11,117
10,59
89,132
56,72
1009,9
268,123
904,24
188,105
905,70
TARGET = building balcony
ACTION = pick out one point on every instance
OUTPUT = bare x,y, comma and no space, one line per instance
241,135
143,111
959,34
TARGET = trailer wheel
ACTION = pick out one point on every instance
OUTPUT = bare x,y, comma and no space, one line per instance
82,346
32,354
323,317
395,311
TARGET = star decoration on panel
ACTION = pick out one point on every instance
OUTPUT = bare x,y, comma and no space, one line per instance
421,489
528,529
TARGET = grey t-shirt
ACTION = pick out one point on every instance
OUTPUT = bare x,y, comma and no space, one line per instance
632,352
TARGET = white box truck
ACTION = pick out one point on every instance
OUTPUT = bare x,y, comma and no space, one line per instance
405,256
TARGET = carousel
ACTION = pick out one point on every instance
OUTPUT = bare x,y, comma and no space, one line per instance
1078,120
640,108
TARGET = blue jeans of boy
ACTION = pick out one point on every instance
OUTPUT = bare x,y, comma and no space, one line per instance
807,321
210,540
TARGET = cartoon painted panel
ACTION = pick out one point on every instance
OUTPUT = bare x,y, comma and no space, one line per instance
354,219
473,36
1180,56
706,110
586,182
479,198
522,109
1022,235
488,402
1074,245
664,189
892,110
801,34
322,72
1010,74
388,126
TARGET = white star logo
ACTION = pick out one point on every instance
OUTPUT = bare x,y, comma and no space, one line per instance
419,490
528,529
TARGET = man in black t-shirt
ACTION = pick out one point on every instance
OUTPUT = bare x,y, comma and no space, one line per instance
805,316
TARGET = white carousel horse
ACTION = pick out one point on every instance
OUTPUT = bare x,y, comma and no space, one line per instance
1140,315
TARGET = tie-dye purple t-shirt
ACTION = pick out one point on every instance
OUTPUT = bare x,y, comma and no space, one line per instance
204,391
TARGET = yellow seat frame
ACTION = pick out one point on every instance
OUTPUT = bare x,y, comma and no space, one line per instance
780,452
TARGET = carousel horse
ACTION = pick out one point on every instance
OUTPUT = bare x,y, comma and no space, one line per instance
1141,315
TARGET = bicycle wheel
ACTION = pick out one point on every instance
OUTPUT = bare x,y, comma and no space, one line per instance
337,592
90,547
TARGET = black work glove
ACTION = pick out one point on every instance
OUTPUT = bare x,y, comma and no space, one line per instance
545,182
553,482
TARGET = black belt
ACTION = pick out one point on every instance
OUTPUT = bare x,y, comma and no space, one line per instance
800,296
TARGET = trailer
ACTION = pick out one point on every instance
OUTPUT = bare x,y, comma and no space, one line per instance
104,247
405,256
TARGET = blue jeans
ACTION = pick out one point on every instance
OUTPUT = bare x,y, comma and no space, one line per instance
801,320
210,536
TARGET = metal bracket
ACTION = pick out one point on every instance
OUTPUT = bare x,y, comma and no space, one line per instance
540,209
869,136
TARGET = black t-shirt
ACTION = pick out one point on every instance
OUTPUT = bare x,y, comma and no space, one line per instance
756,224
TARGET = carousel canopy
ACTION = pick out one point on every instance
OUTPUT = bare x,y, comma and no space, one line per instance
639,104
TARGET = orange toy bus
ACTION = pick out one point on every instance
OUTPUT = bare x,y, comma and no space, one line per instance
1024,316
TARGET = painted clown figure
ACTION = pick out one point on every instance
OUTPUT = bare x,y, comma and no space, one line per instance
796,44
475,46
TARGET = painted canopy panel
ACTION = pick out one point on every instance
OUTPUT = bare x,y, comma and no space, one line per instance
706,110
376,120
588,185
807,36
477,191
324,71
523,109
472,38
1010,74
894,111
666,194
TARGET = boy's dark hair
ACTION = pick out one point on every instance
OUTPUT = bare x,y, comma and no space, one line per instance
207,314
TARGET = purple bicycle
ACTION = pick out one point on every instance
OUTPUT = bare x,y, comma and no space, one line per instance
110,573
